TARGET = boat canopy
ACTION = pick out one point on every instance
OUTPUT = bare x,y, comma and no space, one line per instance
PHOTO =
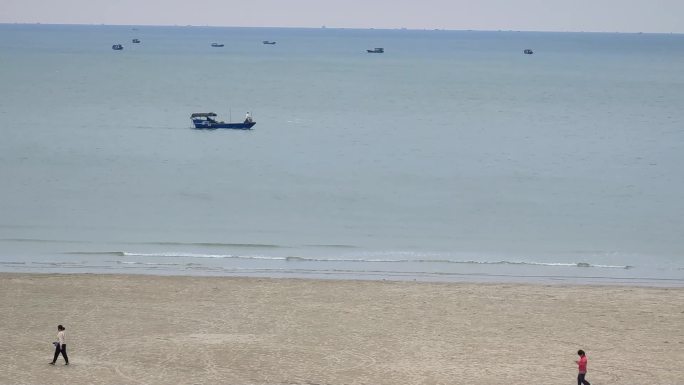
203,115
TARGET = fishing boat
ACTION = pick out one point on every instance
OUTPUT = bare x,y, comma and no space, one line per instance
117,47
528,52
216,45
136,41
207,121
268,42
376,50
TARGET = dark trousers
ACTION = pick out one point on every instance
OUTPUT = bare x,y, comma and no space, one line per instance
580,379
60,349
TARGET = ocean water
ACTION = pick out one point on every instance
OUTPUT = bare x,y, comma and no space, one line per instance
450,157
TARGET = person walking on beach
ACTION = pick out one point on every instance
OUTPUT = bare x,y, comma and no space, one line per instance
60,346
582,365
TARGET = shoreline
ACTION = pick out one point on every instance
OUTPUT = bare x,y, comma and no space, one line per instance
415,277
555,283
241,330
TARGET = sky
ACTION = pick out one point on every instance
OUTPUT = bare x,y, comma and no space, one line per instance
665,16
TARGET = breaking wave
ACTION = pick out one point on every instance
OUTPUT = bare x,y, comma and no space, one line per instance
354,260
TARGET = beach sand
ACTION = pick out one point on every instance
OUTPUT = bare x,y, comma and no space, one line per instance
126,329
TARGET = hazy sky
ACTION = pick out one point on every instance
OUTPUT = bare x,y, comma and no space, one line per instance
531,15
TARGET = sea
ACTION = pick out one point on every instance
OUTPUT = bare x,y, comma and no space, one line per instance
450,157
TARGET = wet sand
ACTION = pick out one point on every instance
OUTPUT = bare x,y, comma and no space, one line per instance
199,330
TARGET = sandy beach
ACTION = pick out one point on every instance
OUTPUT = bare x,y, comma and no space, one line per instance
199,330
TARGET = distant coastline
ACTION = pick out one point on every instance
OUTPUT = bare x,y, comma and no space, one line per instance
342,28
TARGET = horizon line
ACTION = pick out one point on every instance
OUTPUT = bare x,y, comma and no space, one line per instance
338,28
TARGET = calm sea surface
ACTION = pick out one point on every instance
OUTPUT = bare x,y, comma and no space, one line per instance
451,157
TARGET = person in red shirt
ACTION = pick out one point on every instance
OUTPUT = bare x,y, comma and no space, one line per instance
582,365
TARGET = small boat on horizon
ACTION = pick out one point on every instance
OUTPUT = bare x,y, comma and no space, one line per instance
268,42
376,50
216,45
528,52
206,121
117,47
136,41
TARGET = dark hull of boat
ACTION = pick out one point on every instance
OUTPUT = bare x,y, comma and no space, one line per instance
204,125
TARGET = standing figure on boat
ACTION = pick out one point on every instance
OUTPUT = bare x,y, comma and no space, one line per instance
248,117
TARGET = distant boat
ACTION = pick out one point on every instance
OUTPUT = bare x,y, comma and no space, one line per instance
268,42
216,45
136,41
117,47
206,121
376,50
528,52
